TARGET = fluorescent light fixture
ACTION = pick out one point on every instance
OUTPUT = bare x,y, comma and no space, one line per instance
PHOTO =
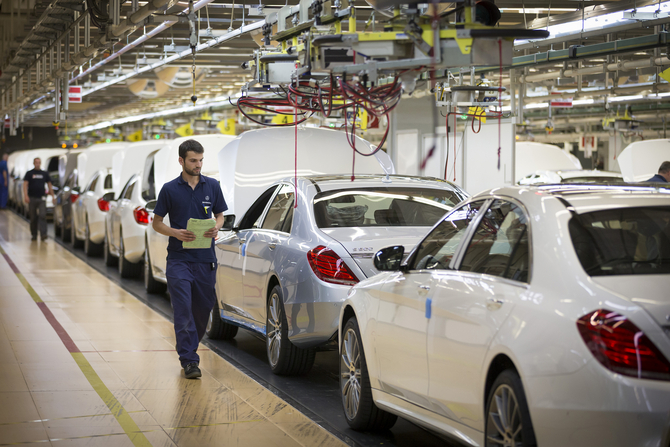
219,101
598,22
537,10
625,98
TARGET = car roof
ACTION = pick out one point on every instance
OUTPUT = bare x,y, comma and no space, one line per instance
330,182
586,197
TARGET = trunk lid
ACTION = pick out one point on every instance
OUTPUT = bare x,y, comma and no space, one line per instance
363,242
649,292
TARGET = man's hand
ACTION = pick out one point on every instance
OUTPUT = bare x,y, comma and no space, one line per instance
184,235
212,232
26,199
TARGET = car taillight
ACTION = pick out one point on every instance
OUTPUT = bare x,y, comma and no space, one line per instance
103,204
621,346
74,197
329,267
142,216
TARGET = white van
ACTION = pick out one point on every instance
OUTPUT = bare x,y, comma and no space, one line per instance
94,166
640,160
127,219
251,163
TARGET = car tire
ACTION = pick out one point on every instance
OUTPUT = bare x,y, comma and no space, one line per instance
507,393
110,259
127,269
359,408
76,243
217,329
284,357
150,283
90,247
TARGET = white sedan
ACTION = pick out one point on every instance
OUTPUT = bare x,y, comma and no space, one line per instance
527,316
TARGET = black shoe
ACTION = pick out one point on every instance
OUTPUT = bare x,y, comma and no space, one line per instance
34,238
191,371
44,237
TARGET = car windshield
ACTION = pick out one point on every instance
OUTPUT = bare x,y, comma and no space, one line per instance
592,179
626,241
383,207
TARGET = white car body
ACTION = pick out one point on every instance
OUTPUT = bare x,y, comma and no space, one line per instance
640,160
90,209
93,161
166,167
13,162
435,339
253,161
127,217
571,176
531,157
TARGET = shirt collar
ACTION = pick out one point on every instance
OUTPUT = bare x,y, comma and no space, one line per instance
181,181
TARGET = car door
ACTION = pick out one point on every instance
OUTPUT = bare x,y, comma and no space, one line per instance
116,212
404,309
470,304
86,200
261,248
230,251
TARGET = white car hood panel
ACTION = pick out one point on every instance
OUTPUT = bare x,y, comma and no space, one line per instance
649,292
363,242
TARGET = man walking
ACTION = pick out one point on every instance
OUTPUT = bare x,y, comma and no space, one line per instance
663,175
191,273
34,193
4,182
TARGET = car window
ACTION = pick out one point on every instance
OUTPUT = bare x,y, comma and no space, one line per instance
383,207
108,182
280,211
256,210
499,246
128,194
92,184
437,249
628,241
129,185
148,185
69,183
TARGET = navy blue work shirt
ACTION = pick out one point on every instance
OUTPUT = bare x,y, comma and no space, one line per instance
37,180
182,203
658,178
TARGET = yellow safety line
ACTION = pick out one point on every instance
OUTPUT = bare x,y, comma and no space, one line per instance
120,414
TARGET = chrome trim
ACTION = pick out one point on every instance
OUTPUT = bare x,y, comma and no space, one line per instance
237,321
362,255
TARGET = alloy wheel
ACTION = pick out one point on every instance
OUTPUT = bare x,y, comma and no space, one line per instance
274,329
350,373
505,427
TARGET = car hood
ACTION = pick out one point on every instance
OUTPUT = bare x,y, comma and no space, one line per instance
363,242
648,291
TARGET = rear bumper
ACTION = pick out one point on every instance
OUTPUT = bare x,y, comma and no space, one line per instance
596,407
313,316
134,242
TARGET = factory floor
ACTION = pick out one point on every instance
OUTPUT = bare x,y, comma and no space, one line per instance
85,363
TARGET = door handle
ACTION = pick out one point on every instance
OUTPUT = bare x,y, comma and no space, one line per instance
423,290
494,303
242,240
272,245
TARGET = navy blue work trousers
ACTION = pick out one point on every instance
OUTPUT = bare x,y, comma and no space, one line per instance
192,293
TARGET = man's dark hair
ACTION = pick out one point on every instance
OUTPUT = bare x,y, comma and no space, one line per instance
665,167
190,145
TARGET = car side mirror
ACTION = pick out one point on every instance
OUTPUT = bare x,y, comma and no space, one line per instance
150,206
228,223
389,259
